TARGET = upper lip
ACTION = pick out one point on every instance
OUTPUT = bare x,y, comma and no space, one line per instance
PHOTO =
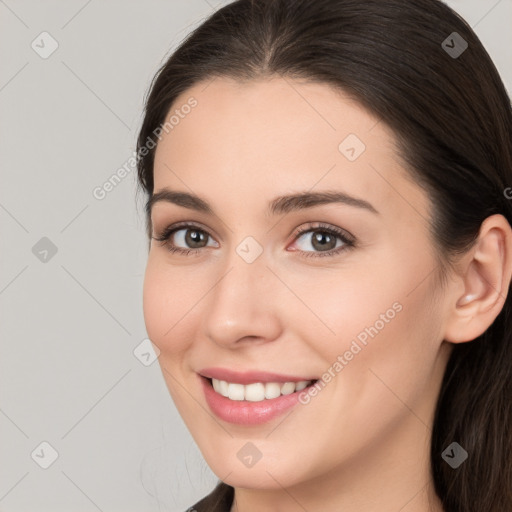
249,377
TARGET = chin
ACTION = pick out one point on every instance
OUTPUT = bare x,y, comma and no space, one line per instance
262,475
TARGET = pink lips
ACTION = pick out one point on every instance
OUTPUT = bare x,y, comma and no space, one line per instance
244,412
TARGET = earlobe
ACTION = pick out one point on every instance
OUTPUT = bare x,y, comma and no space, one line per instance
485,274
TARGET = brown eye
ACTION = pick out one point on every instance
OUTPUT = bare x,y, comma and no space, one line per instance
185,239
194,238
323,241
319,240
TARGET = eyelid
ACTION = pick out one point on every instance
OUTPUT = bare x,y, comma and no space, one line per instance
172,228
319,226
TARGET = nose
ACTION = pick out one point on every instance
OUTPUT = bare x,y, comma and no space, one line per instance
243,305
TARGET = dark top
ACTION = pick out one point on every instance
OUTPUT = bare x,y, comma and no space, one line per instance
219,500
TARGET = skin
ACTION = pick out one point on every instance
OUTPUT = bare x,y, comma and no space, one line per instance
362,444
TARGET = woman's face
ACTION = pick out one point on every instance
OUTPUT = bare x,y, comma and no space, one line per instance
360,312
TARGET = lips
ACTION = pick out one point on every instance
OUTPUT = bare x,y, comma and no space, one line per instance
223,389
251,377
244,412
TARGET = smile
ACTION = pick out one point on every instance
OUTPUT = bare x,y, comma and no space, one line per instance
251,398
258,391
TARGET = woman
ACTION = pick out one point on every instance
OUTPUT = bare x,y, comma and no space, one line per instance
331,253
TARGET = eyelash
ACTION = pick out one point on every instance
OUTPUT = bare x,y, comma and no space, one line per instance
324,228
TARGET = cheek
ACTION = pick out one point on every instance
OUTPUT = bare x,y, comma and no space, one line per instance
398,340
169,318
349,306
375,322
168,306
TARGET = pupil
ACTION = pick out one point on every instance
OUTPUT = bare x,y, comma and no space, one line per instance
194,237
319,236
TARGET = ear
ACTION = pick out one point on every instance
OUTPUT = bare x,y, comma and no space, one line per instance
485,274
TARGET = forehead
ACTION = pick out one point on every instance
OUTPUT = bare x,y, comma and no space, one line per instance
262,138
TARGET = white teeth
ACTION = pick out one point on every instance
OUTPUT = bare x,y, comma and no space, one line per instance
272,390
235,391
257,391
254,392
223,387
301,385
288,388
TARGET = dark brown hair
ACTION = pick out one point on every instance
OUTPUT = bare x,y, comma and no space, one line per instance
452,119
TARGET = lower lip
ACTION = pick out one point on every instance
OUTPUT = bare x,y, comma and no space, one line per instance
244,412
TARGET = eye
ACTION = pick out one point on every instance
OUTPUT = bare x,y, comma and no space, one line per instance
190,236
323,239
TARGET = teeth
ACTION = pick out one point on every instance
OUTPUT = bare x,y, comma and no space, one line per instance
288,388
272,390
235,391
302,384
253,392
258,391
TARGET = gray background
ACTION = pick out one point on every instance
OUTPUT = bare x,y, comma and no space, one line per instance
70,321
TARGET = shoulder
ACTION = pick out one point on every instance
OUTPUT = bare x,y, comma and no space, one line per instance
219,500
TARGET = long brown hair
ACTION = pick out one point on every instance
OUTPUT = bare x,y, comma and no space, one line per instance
451,114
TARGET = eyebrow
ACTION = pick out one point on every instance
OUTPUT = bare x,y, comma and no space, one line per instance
279,205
